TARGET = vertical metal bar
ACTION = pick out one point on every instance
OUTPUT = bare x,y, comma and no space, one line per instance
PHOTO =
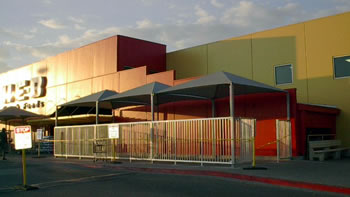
130,146
94,141
66,143
201,138
213,131
79,140
97,112
175,130
288,106
232,114
290,139
278,139
151,132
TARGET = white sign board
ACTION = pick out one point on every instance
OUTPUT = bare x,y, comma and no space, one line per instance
23,137
113,131
39,134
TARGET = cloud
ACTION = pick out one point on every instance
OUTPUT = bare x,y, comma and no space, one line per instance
4,67
75,20
48,2
203,16
216,3
8,33
184,30
51,23
4,54
144,24
262,16
78,27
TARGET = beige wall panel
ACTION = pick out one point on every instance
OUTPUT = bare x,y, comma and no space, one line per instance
79,89
166,77
57,69
107,82
111,82
39,69
189,62
22,73
105,56
3,82
232,56
80,64
132,78
97,84
61,92
50,100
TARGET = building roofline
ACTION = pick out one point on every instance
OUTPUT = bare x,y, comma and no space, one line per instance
275,28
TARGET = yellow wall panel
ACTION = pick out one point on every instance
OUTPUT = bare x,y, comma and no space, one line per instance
189,62
327,38
232,56
57,69
281,46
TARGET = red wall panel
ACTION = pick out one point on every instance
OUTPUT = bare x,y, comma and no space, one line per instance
135,53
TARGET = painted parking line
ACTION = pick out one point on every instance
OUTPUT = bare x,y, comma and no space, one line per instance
77,180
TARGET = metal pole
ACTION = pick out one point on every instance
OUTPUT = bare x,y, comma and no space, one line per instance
24,167
253,145
97,112
114,155
56,116
38,149
232,114
213,111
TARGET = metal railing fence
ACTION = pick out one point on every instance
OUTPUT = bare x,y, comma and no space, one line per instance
195,140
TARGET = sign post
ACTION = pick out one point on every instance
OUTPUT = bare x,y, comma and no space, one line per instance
23,141
39,136
113,133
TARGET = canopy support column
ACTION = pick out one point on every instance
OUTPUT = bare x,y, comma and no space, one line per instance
152,107
232,115
213,110
56,116
97,112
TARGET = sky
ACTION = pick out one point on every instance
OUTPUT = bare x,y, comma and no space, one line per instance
31,30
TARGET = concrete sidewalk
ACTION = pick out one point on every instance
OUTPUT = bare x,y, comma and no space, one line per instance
330,175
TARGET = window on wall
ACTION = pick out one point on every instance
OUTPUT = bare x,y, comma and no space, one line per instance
341,66
283,74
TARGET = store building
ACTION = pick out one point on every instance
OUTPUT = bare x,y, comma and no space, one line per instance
297,58
312,57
